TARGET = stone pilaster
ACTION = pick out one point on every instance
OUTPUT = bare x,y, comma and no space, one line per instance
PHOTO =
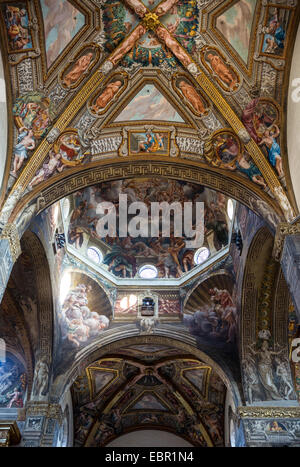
287,251
42,422
10,249
9,433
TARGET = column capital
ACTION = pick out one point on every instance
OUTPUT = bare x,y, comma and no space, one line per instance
44,409
10,232
283,229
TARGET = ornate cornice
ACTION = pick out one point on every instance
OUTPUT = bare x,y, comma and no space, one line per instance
283,229
10,232
45,409
269,412
9,433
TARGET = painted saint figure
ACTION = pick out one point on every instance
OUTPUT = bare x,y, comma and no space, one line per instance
106,96
222,71
192,96
273,148
17,25
274,37
164,35
152,143
78,69
245,165
25,143
16,399
48,168
164,7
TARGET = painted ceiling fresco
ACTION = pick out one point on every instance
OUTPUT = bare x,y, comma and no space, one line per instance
123,256
62,21
166,100
236,26
181,395
207,77
211,313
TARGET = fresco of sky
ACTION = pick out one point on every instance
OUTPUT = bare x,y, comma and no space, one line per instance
62,21
235,25
149,104
148,402
151,4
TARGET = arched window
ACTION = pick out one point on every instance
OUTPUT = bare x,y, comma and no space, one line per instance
95,254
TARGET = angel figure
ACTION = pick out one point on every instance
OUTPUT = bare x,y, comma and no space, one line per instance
273,148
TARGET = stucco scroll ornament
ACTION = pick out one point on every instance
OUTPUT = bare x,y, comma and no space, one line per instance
34,24
34,53
25,76
123,149
211,121
87,137
174,149
100,39
104,145
269,412
200,41
57,94
276,63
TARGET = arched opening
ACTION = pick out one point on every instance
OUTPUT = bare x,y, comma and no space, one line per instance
149,438
152,383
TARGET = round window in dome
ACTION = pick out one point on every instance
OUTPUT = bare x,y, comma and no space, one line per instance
230,209
66,208
201,255
95,255
148,271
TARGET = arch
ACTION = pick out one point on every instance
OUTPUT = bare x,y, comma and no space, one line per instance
180,340
15,303
64,184
265,305
291,130
142,431
33,246
258,254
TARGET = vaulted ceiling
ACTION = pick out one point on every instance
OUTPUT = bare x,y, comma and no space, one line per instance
86,81
161,101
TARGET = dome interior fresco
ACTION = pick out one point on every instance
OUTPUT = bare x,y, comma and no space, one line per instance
122,257
127,114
